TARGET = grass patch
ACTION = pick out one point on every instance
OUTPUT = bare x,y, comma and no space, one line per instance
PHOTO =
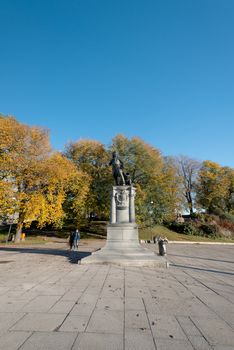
144,233
29,240
40,239
158,230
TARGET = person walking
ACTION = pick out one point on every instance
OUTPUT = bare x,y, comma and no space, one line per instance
76,239
71,239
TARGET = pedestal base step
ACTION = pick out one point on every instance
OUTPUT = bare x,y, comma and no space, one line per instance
126,260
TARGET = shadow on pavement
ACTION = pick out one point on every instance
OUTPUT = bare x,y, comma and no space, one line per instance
75,256
201,269
72,256
200,258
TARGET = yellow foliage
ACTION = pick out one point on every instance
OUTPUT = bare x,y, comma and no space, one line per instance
37,179
213,188
7,200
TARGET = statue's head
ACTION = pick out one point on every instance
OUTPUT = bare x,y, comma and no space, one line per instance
114,154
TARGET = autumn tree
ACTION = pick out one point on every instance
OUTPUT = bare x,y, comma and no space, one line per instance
37,179
141,160
157,186
215,187
230,197
69,185
91,157
7,200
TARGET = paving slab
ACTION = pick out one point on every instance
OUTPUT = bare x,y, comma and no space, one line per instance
134,304
166,327
13,340
98,341
216,331
41,303
74,323
139,339
39,322
173,344
48,301
62,307
7,320
136,319
12,305
110,303
106,321
49,341
188,326
83,309
199,342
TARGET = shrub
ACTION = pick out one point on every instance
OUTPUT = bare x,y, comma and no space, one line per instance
186,228
228,216
221,219
227,225
191,229
207,218
175,226
210,230
218,211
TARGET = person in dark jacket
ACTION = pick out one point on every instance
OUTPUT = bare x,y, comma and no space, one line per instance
71,239
76,239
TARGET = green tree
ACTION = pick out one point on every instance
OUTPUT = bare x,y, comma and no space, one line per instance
140,159
155,179
230,198
92,158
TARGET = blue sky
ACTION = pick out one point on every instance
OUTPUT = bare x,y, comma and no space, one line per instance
161,70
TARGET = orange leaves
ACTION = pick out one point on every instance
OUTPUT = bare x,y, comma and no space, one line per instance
32,177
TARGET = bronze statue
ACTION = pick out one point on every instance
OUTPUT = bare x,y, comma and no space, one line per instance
121,179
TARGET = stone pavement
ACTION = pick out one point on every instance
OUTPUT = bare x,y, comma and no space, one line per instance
47,301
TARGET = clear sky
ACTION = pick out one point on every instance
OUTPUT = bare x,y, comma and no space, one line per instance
159,69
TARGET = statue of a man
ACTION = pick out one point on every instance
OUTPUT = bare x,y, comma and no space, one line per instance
117,170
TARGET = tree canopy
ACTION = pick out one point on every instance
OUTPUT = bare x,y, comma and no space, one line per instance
92,158
39,184
215,190
157,189
33,179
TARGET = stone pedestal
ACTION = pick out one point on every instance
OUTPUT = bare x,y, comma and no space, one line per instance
122,244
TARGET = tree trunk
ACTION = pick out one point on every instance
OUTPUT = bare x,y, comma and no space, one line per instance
190,201
18,231
191,210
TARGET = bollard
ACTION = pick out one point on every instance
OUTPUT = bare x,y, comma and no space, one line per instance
162,246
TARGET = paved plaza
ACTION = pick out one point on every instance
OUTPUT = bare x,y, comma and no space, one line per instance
47,301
